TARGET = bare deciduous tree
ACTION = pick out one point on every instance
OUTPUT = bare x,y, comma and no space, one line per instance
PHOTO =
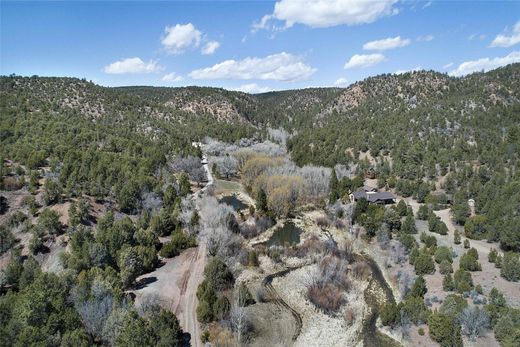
474,321
239,317
114,325
227,165
94,312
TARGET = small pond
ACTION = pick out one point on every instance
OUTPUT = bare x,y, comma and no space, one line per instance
288,234
234,202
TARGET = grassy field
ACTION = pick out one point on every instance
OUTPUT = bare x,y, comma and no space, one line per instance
227,187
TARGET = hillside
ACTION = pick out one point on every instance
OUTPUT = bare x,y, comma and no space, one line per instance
110,214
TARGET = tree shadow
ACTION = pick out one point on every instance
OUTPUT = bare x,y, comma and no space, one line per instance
144,282
186,340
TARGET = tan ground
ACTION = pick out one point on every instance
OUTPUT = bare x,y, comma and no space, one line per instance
175,284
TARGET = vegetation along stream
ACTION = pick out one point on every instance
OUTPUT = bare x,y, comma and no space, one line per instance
377,293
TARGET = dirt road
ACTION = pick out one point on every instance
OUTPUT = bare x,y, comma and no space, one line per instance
186,311
175,285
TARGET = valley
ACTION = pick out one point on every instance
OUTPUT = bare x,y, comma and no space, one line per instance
382,214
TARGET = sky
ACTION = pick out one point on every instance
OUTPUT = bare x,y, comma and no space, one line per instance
254,46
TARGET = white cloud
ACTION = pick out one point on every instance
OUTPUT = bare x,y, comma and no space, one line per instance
132,65
507,41
400,72
342,81
172,77
425,38
385,44
262,24
279,67
447,66
210,47
327,13
252,88
428,4
485,64
364,60
180,37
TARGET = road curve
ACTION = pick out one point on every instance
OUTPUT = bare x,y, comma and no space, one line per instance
275,298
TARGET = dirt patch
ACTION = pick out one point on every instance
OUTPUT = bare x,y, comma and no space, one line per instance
175,284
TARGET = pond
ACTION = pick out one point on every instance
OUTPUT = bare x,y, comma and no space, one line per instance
234,202
288,234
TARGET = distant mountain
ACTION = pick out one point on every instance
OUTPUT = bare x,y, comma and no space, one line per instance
291,109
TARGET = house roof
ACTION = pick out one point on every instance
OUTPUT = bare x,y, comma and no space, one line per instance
373,196
369,188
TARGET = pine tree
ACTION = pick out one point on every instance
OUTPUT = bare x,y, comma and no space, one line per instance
261,200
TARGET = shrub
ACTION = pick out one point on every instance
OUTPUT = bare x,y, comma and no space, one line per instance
419,287
327,297
415,309
511,267
462,281
456,237
401,208
507,328
221,307
408,226
441,228
390,314
7,239
253,258
498,261
429,240
466,243
469,261
475,227
492,256
245,296
204,312
323,222
421,331
179,242
447,283
217,274
423,212
361,270
407,240
424,264
445,267
414,254
36,243
453,305
444,330
49,220
443,253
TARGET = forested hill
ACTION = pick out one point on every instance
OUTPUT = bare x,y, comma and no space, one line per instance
464,132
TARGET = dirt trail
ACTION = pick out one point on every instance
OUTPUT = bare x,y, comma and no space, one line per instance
275,297
186,311
175,284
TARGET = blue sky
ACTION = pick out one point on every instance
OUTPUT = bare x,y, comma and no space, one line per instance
254,45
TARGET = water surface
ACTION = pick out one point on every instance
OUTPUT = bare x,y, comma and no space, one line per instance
234,202
288,234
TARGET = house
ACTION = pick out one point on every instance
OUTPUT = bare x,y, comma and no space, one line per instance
373,197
